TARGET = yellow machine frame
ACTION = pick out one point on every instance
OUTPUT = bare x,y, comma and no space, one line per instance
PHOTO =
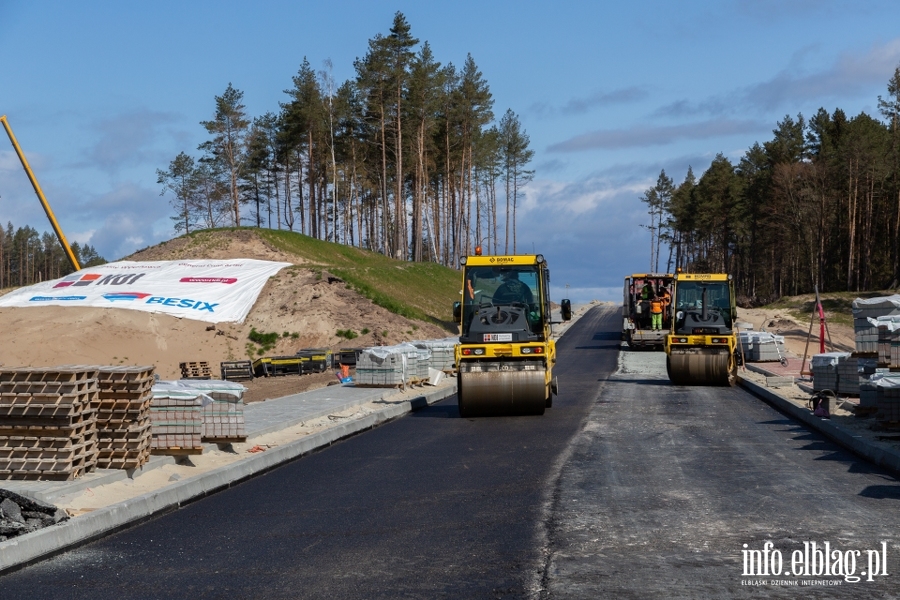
40,194
713,342
512,351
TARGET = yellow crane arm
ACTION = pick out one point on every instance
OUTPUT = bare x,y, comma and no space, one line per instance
37,189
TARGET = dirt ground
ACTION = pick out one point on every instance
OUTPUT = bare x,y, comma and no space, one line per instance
796,334
305,307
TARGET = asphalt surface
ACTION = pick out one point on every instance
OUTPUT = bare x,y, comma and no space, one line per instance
628,487
666,484
429,505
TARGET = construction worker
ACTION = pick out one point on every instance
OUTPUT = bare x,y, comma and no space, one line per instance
647,291
666,297
513,290
656,313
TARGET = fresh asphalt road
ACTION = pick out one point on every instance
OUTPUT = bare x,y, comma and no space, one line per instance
665,485
628,487
430,505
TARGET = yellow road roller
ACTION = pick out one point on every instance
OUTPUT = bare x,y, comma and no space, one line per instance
505,355
701,346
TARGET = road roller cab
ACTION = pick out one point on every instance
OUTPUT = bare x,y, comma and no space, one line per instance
505,354
701,346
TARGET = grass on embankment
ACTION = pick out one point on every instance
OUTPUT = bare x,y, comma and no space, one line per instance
837,305
423,291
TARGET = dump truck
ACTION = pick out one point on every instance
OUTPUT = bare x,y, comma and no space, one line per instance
701,345
505,355
637,322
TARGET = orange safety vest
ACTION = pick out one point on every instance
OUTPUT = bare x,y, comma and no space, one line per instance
656,306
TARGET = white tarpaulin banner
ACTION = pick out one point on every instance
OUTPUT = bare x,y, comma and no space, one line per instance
206,290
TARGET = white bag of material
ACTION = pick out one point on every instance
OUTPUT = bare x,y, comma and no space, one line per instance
434,376
891,380
876,307
891,322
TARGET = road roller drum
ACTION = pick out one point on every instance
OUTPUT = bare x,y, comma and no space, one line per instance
701,366
488,389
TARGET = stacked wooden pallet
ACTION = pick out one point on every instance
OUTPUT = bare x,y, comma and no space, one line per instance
123,416
48,426
195,370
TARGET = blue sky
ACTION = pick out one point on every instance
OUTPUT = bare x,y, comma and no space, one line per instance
101,94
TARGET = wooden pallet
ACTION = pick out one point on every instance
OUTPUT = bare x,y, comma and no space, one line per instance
41,453
225,440
176,451
195,370
48,388
73,373
66,421
74,473
125,374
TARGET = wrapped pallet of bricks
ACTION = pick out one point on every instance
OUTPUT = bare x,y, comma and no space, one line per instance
176,421
871,308
825,370
888,399
761,346
442,352
888,330
123,416
868,393
223,407
387,366
848,376
48,426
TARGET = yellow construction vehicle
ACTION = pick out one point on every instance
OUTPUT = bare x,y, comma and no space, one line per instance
505,354
701,346
638,294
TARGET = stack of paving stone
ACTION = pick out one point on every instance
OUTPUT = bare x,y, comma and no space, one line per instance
864,311
223,417
177,422
442,352
123,416
886,326
48,426
388,366
848,376
222,407
888,399
761,346
825,370
866,336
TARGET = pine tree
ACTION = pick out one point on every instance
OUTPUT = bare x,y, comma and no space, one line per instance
227,146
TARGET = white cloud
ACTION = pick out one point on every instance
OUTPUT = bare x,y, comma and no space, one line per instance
642,136
849,75
598,99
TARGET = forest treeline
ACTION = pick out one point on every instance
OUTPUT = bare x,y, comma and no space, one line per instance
28,257
404,159
816,205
